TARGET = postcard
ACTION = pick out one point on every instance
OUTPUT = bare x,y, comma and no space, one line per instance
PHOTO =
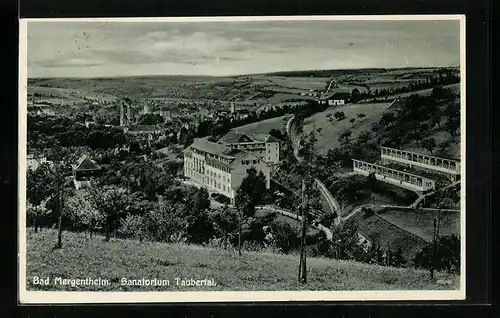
223,159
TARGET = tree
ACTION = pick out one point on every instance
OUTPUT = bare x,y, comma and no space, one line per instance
225,222
355,95
396,258
245,208
253,188
83,214
387,119
361,115
443,254
429,144
441,93
133,226
111,201
150,119
453,119
198,226
345,241
352,120
285,237
344,137
277,134
36,212
339,115
40,189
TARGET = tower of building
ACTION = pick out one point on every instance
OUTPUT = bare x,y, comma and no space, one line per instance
146,109
129,115
122,115
232,108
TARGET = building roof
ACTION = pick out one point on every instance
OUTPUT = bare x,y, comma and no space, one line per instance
84,163
205,145
336,95
236,156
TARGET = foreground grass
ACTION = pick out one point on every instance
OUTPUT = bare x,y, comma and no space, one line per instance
81,257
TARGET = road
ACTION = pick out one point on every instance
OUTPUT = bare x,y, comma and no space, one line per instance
292,215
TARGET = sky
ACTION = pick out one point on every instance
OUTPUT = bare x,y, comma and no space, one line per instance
107,49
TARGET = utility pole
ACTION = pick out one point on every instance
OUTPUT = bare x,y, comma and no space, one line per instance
239,232
433,249
303,263
60,191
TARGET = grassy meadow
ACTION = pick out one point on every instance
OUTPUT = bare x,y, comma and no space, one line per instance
81,257
327,137
264,126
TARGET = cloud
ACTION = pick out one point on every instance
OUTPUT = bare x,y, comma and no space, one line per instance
107,49
72,62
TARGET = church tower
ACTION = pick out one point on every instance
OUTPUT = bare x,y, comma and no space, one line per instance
129,115
122,115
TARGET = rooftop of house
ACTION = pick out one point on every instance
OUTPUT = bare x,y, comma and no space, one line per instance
336,95
234,155
203,144
84,163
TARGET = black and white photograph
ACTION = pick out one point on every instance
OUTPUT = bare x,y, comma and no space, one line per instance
216,159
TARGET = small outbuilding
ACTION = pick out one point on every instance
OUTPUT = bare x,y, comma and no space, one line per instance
84,170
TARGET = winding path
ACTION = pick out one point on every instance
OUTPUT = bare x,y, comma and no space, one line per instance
332,202
292,215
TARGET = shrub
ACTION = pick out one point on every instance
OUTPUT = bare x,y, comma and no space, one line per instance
285,237
446,255
339,115
221,198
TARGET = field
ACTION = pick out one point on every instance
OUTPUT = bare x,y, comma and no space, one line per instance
420,222
330,130
389,235
81,257
252,90
264,126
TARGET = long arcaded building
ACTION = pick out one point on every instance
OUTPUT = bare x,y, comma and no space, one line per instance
396,177
448,167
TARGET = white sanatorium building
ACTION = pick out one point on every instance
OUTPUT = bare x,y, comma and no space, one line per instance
221,166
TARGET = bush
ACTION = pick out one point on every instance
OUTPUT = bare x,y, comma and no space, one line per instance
367,212
446,257
132,227
221,198
285,237
339,115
